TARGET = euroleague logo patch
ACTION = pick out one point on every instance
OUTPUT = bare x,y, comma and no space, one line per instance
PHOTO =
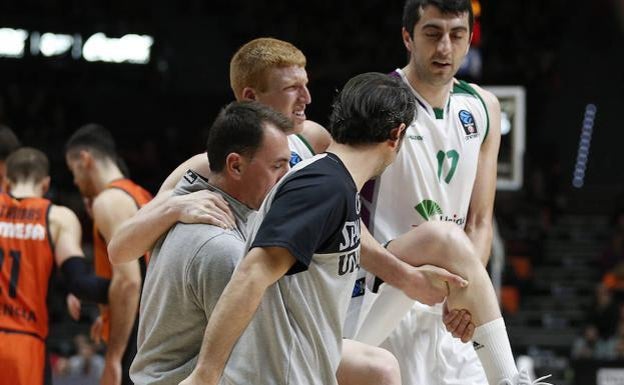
294,159
468,123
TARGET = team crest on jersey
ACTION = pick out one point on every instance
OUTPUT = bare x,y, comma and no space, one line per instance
431,210
294,158
468,124
358,203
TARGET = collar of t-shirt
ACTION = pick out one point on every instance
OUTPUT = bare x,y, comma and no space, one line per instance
192,182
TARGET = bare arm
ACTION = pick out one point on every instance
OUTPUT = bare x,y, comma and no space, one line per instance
66,234
66,237
139,233
259,269
111,208
479,220
316,135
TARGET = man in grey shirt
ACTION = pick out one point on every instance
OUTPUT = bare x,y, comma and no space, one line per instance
248,153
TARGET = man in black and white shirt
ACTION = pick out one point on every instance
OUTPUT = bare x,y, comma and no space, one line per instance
280,319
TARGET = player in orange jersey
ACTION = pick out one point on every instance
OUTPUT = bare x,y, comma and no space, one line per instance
91,156
34,235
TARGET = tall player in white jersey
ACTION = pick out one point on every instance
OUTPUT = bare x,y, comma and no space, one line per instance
446,171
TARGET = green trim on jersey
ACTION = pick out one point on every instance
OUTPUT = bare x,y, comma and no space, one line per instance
306,143
464,88
439,112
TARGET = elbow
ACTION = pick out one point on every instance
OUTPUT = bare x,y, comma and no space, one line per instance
117,253
114,252
127,285
479,224
251,279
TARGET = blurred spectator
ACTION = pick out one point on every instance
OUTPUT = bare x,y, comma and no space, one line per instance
614,253
586,346
83,368
86,362
605,312
613,348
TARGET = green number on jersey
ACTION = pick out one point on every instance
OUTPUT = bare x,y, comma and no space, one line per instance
454,157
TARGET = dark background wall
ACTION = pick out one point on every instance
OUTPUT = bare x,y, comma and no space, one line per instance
566,53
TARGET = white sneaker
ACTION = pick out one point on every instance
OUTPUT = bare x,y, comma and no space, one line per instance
524,379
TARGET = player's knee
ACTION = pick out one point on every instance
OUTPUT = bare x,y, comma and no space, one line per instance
383,367
457,244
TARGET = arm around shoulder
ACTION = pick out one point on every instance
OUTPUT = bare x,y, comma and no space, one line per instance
317,136
139,233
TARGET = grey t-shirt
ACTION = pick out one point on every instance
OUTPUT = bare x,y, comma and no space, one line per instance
295,337
188,270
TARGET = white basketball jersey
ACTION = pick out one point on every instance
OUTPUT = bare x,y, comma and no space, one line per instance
299,149
434,173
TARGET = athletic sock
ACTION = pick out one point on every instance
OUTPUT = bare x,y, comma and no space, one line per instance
491,343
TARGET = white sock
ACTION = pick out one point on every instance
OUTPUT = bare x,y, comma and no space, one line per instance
379,318
491,343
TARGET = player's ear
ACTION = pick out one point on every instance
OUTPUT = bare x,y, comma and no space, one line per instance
248,94
396,135
45,185
235,165
86,158
407,39
469,43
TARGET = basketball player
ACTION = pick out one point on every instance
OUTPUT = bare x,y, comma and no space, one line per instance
447,172
280,318
91,156
189,269
34,236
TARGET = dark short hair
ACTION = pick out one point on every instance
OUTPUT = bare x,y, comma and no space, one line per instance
369,107
94,138
239,128
8,142
412,9
27,163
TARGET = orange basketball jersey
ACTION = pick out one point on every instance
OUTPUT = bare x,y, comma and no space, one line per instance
102,264
26,262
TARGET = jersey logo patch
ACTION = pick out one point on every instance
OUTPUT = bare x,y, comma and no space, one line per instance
468,123
190,177
428,209
294,158
431,210
359,288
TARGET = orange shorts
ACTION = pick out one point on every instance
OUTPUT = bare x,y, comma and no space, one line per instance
22,359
